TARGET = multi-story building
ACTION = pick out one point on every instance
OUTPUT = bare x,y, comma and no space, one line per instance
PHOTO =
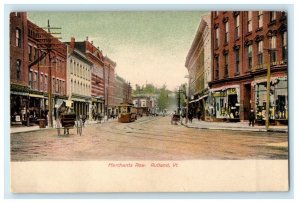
47,58
95,56
142,104
19,91
244,44
38,70
122,92
109,77
198,63
79,71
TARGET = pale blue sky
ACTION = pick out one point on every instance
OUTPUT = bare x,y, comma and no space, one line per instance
147,46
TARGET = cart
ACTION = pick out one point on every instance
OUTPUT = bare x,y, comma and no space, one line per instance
67,122
175,118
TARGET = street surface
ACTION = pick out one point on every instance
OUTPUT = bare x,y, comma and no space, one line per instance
148,138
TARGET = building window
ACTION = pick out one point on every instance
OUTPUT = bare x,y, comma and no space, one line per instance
18,37
41,81
18,66
237,61
217,37
272,16
237,26
226,65
249,21
46,83
217,67
30,52
273,49
35,79
260,53
284,46
30,79
63,87
260,19
250,57
71,66
226,32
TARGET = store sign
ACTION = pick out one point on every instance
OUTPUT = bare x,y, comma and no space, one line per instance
231,91
219,94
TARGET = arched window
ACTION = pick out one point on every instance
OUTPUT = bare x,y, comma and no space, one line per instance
18,37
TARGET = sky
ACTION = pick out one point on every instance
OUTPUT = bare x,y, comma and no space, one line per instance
148,47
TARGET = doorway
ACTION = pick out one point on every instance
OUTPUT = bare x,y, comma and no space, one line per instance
247,100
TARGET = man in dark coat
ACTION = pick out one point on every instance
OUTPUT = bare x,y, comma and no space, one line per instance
251,117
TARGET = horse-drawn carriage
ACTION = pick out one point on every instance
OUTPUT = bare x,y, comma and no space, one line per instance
175,118
67,120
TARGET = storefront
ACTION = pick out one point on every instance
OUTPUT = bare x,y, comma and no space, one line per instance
18,107
278,100
226,102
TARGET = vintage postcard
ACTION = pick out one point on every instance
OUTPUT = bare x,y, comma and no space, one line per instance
149,101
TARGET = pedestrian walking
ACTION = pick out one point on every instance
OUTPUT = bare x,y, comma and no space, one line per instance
251,117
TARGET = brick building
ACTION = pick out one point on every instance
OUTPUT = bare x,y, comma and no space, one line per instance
37,59
19,91
109,77
122,92
244,44
198,63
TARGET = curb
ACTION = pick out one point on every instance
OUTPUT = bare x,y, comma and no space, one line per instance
238,129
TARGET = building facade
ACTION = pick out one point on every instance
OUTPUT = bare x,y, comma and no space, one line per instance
142,104
38,70
19,91
79,73
244,44
95,56
198,64
109,77
122,92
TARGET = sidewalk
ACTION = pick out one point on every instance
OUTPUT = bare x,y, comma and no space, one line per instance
21,129
236,126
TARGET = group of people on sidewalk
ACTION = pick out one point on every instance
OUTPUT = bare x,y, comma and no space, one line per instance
190,116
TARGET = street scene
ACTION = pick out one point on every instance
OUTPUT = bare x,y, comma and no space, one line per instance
148,138
92,86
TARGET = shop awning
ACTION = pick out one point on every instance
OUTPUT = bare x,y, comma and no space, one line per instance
20,93
195,100
78,99
37,95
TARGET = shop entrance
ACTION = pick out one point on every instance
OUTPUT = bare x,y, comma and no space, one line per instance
247,99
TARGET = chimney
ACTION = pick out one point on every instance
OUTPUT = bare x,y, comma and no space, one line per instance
72,43
87,38
92,42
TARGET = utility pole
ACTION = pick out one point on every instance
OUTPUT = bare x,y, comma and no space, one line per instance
268,89
46,45
268,96
178,101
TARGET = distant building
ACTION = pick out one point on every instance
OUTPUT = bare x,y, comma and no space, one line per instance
198,63
109,78
142,104
122,91
244,44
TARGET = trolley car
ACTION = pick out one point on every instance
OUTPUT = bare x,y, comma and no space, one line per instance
127,113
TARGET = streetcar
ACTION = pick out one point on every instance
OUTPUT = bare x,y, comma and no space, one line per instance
127,113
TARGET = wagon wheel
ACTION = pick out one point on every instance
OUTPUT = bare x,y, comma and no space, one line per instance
79,127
